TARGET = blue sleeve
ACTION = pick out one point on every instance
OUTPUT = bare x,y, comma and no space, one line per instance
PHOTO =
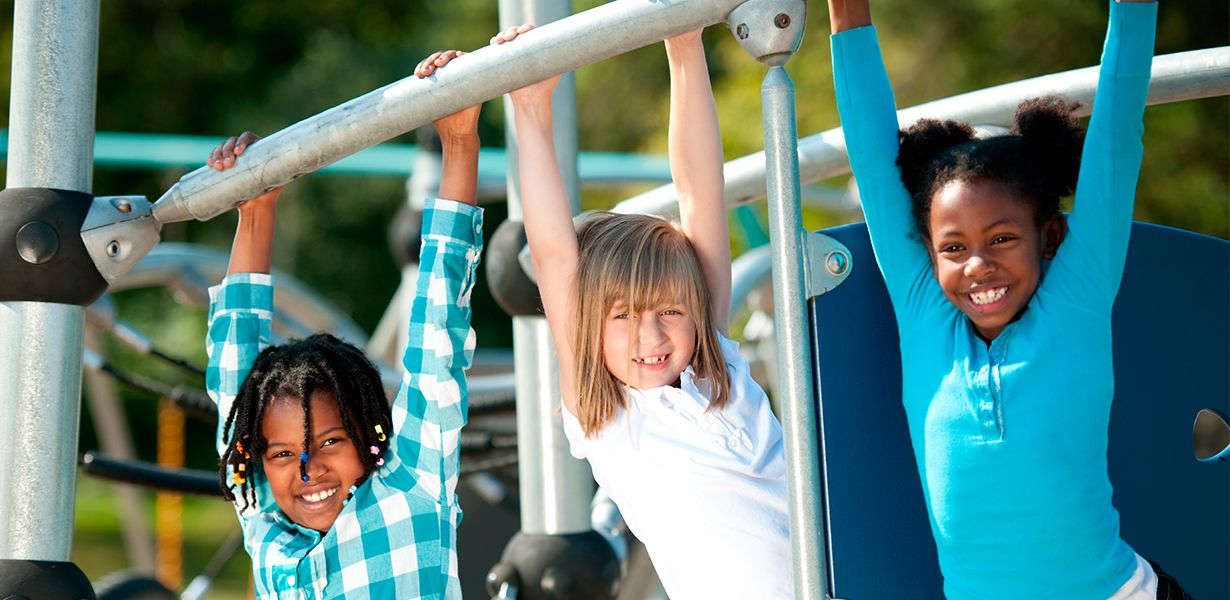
1090,261
240,317
430,407
869,123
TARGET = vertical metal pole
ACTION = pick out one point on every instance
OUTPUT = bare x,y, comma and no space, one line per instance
51,133
555,487
795,384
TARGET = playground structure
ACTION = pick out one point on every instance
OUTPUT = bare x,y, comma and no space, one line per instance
51,135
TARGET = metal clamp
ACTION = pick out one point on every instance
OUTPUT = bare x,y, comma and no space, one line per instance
117,232
769,30
828,263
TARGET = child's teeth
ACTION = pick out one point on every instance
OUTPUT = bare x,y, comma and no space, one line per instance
988,296
318,496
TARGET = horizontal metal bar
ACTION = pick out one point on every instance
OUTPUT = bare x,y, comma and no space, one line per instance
184,481
1176,77
581,39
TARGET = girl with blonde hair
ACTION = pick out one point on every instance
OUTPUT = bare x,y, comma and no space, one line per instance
655,395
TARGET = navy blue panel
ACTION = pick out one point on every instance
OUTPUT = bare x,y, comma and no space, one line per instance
880,542
1171,360
1172,352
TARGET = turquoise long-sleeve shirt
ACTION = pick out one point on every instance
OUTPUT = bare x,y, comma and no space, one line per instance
1011,438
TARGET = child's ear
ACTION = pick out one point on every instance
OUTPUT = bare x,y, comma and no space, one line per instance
1053,232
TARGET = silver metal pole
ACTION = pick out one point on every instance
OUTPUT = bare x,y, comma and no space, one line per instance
1175,77
602,32
556,488
51,116
794,361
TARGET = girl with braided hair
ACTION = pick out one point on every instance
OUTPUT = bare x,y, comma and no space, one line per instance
339,494
1003,311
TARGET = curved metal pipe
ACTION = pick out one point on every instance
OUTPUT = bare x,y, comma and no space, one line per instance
1176,77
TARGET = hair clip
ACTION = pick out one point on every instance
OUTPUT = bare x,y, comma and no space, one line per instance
379,462
237,479
380,433
375,450
242,467
303,458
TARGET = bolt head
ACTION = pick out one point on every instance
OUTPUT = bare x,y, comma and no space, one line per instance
741,31
37,242
122,205
113,248
782,20
836,262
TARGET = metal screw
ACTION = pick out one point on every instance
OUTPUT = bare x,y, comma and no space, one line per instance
836,262
782,20
741,31
113,249
122,205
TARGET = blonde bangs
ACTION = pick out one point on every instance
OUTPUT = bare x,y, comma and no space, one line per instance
645,262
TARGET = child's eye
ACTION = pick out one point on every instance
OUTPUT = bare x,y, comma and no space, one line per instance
620,316
951,248
280,454
1001,239
332,441
672,312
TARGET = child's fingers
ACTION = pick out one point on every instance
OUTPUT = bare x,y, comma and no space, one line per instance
427,65
228,152
445,57
512,32
245,139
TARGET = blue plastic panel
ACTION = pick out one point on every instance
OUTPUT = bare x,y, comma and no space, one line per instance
1172,358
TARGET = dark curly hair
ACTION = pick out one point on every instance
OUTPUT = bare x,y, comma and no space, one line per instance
1038,159
295,370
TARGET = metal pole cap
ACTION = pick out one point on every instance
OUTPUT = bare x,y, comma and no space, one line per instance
769,30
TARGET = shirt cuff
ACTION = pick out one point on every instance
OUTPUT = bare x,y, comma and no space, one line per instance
453,221
1132,26
242,291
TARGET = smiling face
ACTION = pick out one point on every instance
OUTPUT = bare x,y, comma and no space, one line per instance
987,250
647,348
332,468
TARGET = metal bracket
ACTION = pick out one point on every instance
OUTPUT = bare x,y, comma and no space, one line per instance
117,232
827,262
769,30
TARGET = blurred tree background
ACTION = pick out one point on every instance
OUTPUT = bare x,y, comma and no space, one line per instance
205,68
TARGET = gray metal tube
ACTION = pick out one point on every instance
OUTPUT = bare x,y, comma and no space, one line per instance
51,116
1175,77
556,488
796,384
602,32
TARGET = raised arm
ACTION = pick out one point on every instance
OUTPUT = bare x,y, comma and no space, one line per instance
869,123
1101,218
253,244
548,217
431,405
241,306
695,147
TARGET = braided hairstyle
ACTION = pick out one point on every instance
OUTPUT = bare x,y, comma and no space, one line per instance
295,370
1038,160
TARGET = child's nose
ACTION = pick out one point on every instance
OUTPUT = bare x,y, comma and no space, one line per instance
978,266
316,468
650,330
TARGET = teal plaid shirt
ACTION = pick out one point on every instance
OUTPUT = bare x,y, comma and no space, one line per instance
396,536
